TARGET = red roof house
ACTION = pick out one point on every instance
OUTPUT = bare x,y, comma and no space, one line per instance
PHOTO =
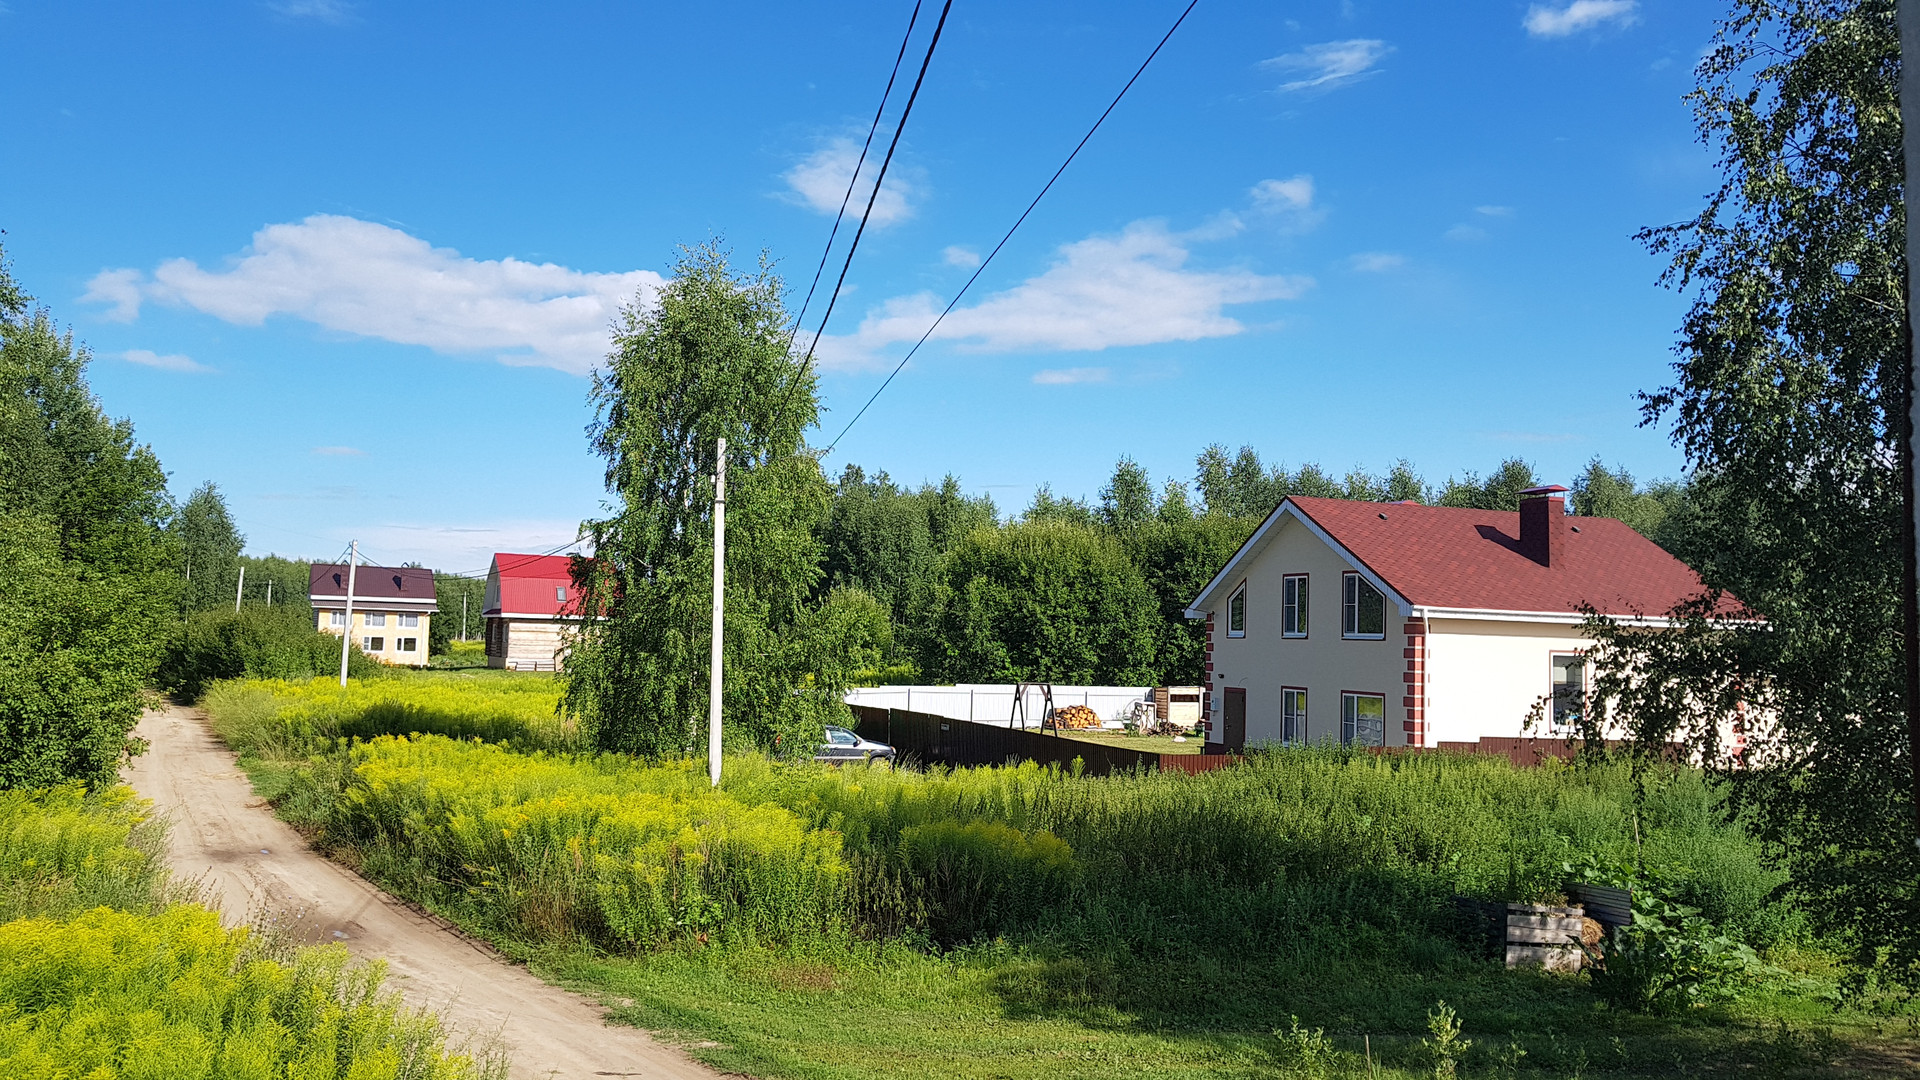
1397,624
529,604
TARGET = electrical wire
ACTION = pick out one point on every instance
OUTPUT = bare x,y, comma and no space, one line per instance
1009,234
854,180
899,129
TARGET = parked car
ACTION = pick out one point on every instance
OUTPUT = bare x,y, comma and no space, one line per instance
843,745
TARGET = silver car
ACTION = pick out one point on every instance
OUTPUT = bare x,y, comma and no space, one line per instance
843,745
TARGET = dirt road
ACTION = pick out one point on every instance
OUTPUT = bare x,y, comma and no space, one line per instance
224,834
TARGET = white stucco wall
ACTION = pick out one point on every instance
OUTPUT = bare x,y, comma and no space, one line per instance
1323,662
1483,677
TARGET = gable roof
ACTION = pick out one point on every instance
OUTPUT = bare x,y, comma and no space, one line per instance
1448,560
410,586
534,585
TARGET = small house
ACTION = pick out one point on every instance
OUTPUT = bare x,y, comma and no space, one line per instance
1397,624
529,606
393,608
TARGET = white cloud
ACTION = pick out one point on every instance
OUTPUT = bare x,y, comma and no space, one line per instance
330,11
820,182
1105,291
1376,262
1494,211
169,362
1071,376
1331,64
966,257
1294,194
1466,233
362,278
1549,22
339,451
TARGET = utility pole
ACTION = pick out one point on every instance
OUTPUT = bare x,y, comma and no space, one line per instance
346,632
463,614
1909,19
239,588
269,592
719,602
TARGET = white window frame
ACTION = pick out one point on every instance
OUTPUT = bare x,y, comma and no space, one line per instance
560,593
1295,608
407,620
1293,715
1239,594
407,644
1350,717
373,644
375,618
1350,584
336,618
1586,691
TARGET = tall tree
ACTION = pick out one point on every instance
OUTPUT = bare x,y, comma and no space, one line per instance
1126,503
86,583
208,548
1790,395
706,359
1040,600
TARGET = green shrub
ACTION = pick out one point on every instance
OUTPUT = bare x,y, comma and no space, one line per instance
258,642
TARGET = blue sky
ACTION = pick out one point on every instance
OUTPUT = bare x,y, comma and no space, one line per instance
353,260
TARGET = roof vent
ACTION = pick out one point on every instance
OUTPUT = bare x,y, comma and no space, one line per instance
1543,524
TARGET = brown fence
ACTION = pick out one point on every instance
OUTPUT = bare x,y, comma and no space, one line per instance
940,740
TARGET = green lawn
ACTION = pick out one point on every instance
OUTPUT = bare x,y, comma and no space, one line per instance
1152,744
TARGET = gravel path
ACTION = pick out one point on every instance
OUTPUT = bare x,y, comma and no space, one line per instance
252,861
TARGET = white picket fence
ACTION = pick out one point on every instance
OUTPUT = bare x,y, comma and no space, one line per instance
992,703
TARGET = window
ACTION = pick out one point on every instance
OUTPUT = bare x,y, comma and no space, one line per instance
1363,611
1568,678
376,618
1293,605
408,644
559,592
373,644
1363,719
336,618
409,620
1293,716
841,737
1237,612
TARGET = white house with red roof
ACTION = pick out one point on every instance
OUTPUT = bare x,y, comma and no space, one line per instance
530,603
1397,624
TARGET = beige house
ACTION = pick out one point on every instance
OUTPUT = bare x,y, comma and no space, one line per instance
393,609
1397,624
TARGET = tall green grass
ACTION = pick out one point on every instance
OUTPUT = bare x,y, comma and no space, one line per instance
556,846
105,973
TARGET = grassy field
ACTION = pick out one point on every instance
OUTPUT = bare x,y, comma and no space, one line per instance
107,970
1288,916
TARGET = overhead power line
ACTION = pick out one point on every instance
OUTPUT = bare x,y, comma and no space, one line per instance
854,180
880,178
981,269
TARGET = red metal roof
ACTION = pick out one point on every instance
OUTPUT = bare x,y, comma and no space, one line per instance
532,585
1445,557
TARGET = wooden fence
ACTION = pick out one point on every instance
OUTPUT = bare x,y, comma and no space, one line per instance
941,740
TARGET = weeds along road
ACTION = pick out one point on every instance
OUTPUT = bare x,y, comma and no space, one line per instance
254,863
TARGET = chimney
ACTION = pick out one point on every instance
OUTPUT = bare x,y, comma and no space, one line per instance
1543,524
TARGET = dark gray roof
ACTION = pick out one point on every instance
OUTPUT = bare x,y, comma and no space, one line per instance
412,583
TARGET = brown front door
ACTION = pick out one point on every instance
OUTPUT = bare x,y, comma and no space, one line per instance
1236,705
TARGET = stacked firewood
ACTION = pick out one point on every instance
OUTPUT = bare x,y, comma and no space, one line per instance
1076,716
